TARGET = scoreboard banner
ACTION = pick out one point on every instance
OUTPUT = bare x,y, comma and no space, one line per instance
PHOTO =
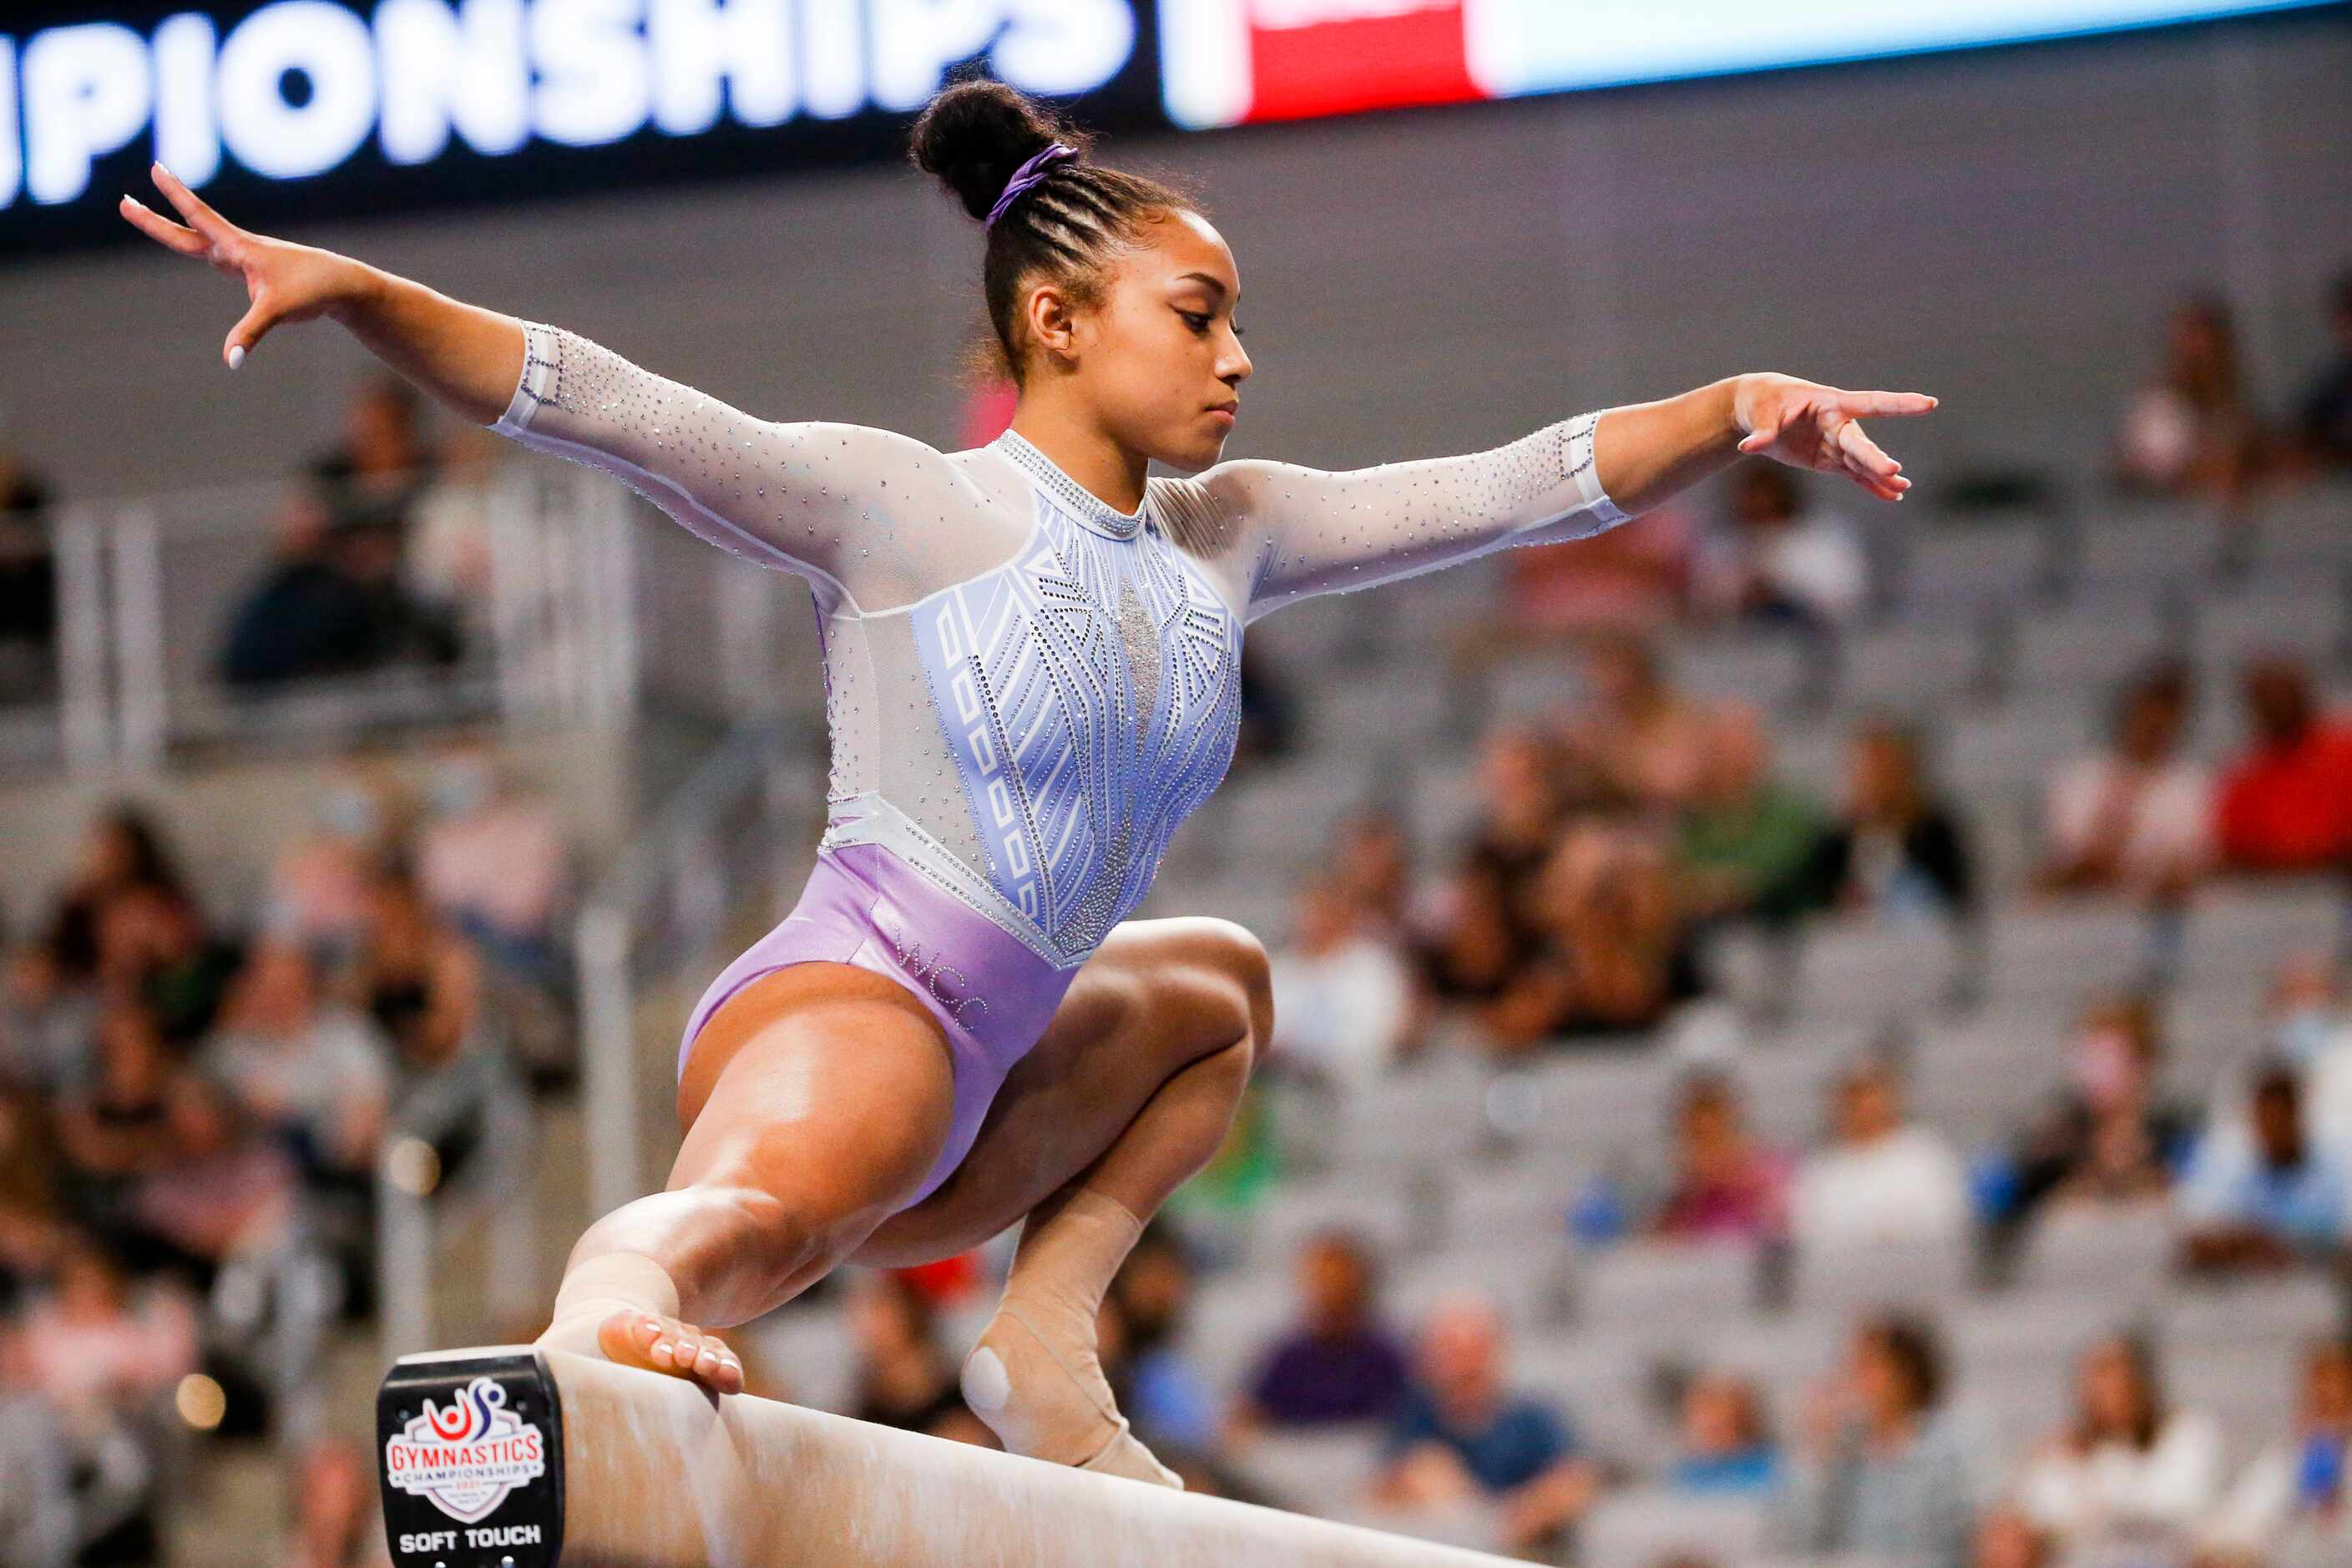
338,107
1230,62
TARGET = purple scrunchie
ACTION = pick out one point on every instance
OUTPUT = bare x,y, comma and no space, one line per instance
1027,176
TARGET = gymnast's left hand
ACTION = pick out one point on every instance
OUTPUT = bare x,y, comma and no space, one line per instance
283,281
1809,426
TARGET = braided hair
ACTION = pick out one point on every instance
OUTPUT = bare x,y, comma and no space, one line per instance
1070,226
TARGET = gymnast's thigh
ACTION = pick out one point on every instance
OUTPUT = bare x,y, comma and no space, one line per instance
1156,997
822,1083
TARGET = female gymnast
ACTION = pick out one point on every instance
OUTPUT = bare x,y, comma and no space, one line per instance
1030,654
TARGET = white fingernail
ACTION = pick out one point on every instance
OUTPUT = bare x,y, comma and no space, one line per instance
236,356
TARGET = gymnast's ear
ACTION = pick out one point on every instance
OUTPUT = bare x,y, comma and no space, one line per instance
1049,319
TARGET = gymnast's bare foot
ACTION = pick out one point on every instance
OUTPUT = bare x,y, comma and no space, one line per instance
672,1346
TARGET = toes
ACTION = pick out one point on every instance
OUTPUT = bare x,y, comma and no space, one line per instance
666,1345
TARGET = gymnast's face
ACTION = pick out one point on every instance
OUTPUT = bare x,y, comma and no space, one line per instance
1161,350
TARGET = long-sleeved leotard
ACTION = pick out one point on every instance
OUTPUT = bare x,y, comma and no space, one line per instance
1028,690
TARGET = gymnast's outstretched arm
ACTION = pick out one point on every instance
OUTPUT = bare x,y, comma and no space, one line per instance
1301,532
837,503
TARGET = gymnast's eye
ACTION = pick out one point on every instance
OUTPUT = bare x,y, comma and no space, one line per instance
1196,320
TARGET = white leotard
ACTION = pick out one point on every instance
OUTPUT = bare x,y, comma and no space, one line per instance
1026,689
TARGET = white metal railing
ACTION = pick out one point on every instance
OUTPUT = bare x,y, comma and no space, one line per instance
416,1212
147,588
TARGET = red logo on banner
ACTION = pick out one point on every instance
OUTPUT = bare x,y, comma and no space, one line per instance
1336,63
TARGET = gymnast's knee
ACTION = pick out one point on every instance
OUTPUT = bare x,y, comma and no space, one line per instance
1243,957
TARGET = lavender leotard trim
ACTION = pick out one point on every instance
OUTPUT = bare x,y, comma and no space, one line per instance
864,905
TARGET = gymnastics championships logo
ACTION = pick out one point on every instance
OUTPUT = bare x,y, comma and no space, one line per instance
465,1459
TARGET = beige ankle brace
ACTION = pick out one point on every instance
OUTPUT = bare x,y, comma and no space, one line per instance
1034,1377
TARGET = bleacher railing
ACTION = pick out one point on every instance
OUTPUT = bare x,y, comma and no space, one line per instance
147,589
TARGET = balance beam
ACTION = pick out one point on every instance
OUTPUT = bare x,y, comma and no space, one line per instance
511,1457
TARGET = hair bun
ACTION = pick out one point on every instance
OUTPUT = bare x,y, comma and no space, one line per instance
975,132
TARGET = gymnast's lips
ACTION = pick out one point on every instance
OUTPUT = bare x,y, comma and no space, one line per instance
1232,411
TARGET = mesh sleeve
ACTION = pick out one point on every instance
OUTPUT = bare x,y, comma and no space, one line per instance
827,501
1305,531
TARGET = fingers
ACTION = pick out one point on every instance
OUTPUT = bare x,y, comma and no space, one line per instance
1863,454
202,218
1860,404
1760,439
1873,468
162,230
256,319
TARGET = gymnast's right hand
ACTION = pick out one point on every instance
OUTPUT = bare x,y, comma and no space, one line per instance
283,281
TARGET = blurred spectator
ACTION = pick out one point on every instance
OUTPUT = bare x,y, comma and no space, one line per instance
1521,815
334,1505
1156,1383
1371,866
1885,1470
161,1166
2109,1139
306,616
2323,434
372,478
37,1505
1340,1364
1726,1442
1628,581
2291,1504
1460,1435
1613,953
1343,997
1750,844
319,1077
1641,743
421,981
496,861
2008,1539
2192,430
45,1021
333,604
2264,1196
2137,817
2311,1027
2129,1471
1785,561
102,1349
1476,946
29,1232
2286,802
318,886
1900,849
121,848
1725,1185
154,942
28,581
102,1357
904,1377
1484,930
1269,729
1881,1178
452,545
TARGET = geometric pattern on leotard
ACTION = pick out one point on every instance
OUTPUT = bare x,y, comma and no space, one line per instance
1090,693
